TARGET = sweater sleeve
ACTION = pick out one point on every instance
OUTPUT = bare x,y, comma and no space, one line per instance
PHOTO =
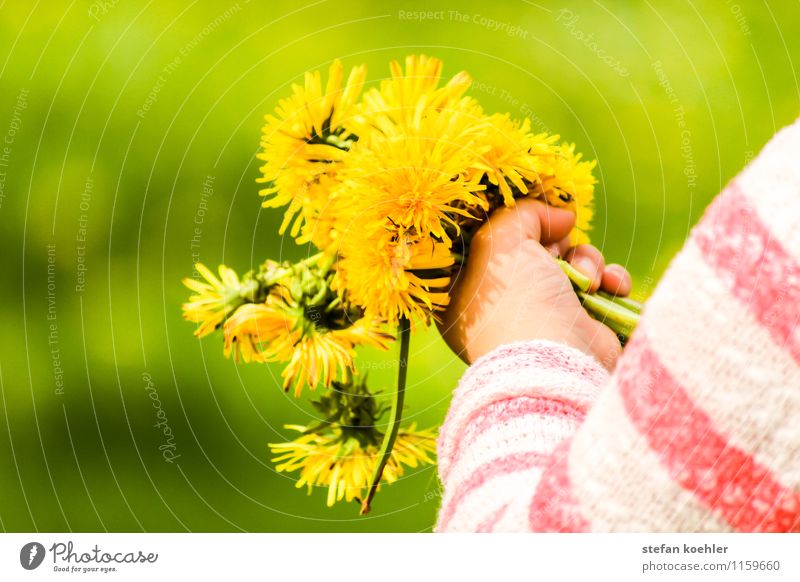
511,410
696,430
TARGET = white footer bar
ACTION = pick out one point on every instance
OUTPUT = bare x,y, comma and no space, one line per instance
401,557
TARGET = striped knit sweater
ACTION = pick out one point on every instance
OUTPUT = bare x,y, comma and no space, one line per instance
697,429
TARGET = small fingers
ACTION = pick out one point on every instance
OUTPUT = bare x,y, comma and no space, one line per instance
604,344
559,249
616,280
589,261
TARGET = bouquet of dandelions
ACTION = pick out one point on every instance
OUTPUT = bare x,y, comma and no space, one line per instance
388,187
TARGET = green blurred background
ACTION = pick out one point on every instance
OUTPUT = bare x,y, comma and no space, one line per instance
115,114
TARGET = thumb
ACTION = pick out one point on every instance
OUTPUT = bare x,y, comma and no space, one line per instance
554,223
528,220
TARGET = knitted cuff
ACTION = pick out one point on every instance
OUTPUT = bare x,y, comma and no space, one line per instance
537,368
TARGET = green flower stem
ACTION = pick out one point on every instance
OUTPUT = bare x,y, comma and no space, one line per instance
326,262
395,415
247,292
619,313
625,302
621,319
578,279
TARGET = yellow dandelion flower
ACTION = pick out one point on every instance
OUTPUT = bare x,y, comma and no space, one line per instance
304,141
413,177
569,183
401,97
215,298
255,324
344,464
392,275
320,226
317,346
510,161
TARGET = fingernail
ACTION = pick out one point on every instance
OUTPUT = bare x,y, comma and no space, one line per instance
586,266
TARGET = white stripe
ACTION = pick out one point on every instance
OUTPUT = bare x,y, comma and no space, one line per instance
772,184
485,500
509,377
729,365
532,433
619,483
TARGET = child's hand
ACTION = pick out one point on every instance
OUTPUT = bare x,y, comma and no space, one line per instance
511,288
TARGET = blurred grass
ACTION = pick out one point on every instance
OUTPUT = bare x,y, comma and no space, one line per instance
89,459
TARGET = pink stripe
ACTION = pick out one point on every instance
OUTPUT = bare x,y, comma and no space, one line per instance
701,460
487,526
754,264
579,376
553,508
548,356
505,410
497,468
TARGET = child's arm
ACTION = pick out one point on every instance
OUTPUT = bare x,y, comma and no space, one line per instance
511,410
699,427
519,401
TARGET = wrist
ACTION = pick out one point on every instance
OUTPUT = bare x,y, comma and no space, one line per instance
585,335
